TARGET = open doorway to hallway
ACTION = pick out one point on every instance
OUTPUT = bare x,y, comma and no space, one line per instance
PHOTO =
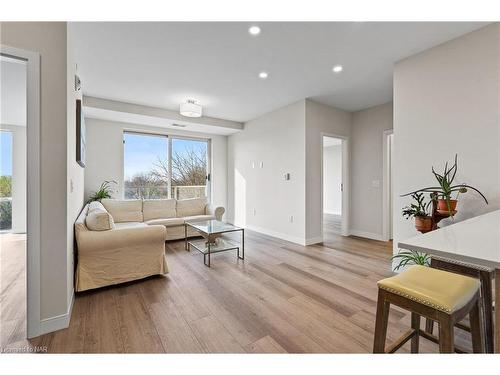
13,209
333,197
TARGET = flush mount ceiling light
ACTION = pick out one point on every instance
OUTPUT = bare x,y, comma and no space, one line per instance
263,75
190,109
254,30
337,68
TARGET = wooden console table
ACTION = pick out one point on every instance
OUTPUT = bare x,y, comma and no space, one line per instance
474,241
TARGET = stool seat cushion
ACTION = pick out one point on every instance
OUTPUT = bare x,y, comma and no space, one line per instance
441,290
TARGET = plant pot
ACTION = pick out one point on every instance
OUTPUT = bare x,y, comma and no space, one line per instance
423,223
442,207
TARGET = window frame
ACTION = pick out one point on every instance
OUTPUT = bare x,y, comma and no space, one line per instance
170,138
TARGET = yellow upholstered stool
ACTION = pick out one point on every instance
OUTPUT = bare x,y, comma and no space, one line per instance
442,296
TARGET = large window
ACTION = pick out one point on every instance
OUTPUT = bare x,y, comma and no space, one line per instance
5,180
158,166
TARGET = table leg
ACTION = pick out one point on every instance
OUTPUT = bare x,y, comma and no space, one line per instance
497,310
186,238
207,254
242,245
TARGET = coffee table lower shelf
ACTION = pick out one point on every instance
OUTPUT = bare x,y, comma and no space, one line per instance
224,244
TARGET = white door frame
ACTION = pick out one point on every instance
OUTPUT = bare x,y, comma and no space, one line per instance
33,184
345,182
386,190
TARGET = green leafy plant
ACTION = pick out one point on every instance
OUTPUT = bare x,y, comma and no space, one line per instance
5,214
417,209
410,257
5,186
446,187
103,192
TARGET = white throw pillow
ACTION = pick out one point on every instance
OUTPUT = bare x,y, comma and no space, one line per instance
98,218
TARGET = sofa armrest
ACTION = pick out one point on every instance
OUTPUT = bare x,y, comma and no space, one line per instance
218,212
90,241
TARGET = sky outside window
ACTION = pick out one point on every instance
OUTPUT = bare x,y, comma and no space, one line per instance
5,153
143,152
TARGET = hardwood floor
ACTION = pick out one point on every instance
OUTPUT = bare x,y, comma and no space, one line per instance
332,224
283,298
12,290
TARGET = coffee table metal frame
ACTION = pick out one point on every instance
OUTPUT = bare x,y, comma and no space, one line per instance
211,248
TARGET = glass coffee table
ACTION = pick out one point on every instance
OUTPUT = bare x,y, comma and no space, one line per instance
213,240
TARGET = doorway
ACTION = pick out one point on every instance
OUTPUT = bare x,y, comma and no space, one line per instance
13,73
334,185
20,195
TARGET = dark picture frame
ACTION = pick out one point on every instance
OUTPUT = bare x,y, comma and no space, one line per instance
80,135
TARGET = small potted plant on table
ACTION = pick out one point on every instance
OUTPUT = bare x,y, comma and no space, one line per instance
446,206
420,211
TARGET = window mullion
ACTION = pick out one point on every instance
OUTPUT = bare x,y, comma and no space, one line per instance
169,163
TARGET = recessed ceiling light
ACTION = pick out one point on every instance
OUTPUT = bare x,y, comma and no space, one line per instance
337,68
254,30
263,75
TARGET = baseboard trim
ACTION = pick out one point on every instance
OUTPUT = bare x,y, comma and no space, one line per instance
58,322
372,236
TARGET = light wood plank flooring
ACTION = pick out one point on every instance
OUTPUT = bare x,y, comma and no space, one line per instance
283,298
332,225
12,290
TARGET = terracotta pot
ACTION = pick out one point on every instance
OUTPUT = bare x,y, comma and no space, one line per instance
423,223
443,206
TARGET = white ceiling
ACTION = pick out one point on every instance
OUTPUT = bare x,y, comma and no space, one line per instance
163,64
12,92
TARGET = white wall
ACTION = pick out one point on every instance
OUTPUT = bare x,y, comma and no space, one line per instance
13,92
50,39
367,169
320,119
332,180
447,101
105,155
75,173
277,141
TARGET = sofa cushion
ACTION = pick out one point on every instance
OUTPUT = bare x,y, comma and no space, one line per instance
124,210
195,218
170,222
130,224
158,208
191,207
96,205
98,218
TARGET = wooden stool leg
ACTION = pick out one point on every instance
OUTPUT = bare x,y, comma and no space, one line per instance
446,336
487,309
429,325
476,329
415,324
381,321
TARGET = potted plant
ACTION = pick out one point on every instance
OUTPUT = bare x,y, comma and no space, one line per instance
420,211
104,191
446,205
409,257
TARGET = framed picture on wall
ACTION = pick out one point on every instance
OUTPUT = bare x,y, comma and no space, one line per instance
80,134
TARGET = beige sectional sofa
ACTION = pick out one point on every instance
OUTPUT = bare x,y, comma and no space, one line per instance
124,240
